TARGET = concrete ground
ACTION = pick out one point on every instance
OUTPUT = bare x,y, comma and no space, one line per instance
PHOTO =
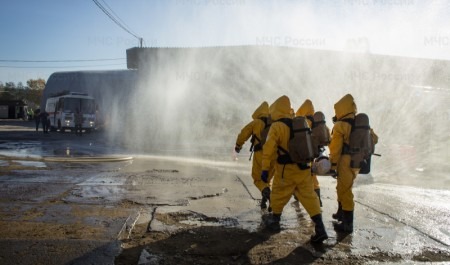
58,209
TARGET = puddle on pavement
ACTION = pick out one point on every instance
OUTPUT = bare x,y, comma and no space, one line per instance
38,149
24,163
21,148
186,220
198,219
71,152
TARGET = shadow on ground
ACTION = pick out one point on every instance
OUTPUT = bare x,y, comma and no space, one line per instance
211,245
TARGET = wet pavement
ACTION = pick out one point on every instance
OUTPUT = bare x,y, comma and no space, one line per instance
155,209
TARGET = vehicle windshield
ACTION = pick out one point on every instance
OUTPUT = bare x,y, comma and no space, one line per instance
87,106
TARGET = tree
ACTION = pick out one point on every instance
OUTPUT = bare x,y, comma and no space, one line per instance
6,95
8,91
36,83
35,91
31,94
10,86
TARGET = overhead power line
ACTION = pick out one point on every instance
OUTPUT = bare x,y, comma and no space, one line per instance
58,61
117,16
116,20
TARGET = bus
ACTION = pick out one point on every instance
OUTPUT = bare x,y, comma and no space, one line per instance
62,109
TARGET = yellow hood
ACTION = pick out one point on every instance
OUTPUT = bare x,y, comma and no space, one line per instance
261,111
346,105
281,108
306,109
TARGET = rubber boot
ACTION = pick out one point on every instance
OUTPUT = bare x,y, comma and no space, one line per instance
263,203
265,193
346,226
338,214
318,194
321,233
273,222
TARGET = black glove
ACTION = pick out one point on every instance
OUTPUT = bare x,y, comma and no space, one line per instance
265,176
237,148
333,173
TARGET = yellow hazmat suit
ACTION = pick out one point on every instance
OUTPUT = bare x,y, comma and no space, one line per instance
289,178
254,128
374,137
345,108
307,110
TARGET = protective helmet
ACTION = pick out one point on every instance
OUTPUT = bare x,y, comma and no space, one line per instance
321,165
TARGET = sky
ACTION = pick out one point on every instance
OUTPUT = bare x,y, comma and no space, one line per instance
61,30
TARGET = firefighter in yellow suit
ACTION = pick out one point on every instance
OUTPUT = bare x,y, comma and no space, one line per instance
345,110
307,110
253,129
289,178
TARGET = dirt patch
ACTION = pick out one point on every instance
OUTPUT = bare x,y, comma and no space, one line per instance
81,211
15,166
186,219
430,255
33,230
33,214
